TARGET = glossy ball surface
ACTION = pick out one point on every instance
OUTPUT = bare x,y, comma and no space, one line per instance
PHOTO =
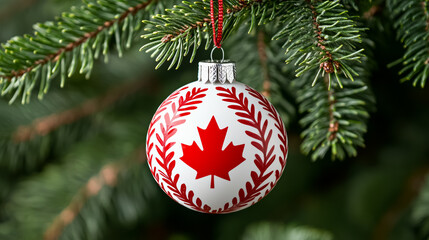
216,148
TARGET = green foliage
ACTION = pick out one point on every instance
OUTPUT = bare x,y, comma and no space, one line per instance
271,231
335,118
259,61
322,41
66,182
181,31
22,148
323,37
116,208
411,19
70,44
351,4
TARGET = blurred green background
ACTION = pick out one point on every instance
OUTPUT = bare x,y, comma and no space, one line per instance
87,177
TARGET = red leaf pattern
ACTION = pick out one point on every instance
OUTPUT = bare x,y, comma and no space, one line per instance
248,116
168,129
253,190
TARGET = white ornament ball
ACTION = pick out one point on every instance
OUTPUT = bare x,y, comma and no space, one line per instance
216,148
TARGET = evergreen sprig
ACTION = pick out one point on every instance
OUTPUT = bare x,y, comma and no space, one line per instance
33,133
90,183
335,118
411,19
321,34
181,32
26,143
68,45
260,65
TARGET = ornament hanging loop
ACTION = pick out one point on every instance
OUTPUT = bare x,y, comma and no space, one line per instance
217,38
223,54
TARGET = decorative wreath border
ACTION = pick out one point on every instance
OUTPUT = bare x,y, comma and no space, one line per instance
185,106
248,117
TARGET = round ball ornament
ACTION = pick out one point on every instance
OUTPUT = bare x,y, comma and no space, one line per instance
216,145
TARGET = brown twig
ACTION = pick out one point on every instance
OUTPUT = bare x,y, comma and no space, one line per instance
106,177
333,123
55,56
373,11
330,63
266,85
410,191
45,125
328,66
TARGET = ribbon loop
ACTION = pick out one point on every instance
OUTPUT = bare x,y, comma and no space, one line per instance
217,39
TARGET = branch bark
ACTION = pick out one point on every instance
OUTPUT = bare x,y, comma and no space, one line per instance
45,125
54,57
107,176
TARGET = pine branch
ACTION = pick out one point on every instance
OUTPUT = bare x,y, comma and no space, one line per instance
129,204
59,48
89,174
28,156
106,177
45,125
60,120
411,19
321,35
172,37
335,118
260,65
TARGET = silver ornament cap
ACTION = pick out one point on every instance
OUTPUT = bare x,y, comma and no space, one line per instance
216,71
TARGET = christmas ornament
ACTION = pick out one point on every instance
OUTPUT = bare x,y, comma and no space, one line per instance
216,145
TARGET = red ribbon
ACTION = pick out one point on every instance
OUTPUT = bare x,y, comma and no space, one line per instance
217,39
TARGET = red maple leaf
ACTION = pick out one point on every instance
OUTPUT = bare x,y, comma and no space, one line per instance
212,160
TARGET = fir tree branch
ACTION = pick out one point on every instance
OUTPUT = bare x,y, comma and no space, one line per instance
235,8
45,125
411,19
321,35
258,60
172,37
335,119
333,123
77,188
76,38
329,65
106,177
